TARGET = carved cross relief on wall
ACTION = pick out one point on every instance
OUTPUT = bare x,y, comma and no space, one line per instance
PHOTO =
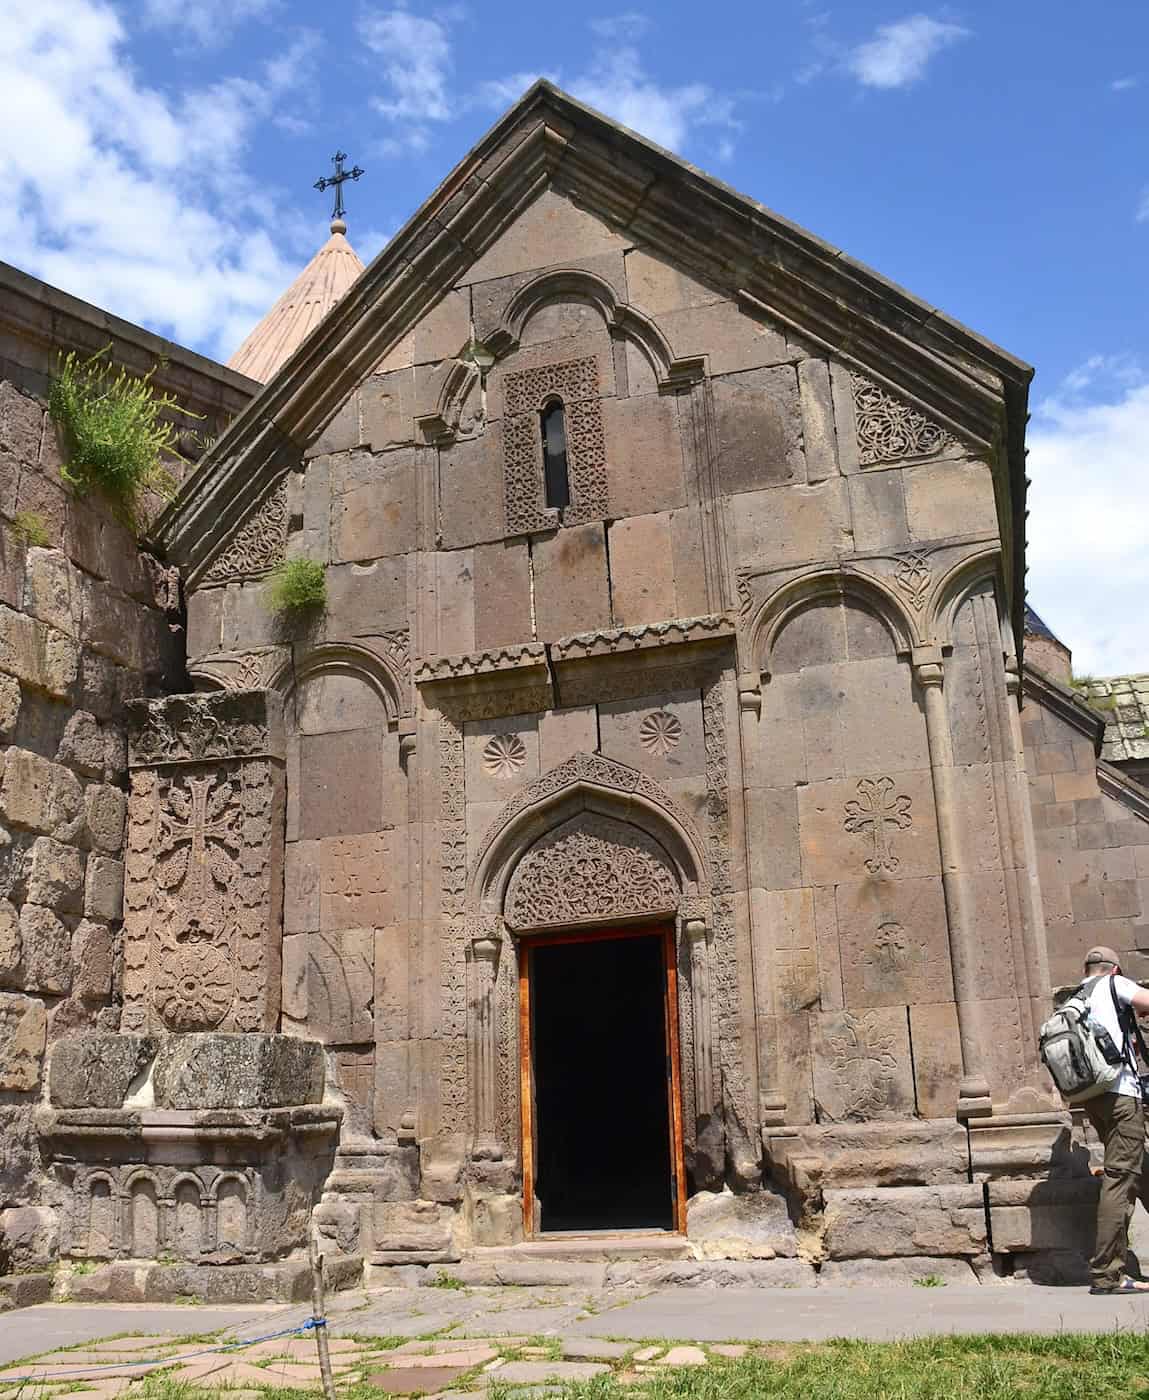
525,393
876,813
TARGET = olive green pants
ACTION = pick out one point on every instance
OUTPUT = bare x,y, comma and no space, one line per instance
1119,1121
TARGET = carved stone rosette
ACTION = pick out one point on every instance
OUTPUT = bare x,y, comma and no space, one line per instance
204,863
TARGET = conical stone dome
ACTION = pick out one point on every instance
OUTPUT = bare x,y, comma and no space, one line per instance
300,309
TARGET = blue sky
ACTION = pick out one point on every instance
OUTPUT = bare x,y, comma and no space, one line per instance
991,157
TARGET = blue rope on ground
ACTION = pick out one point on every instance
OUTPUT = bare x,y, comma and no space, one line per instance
307,1326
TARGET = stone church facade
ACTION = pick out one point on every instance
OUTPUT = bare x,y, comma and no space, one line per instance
648,833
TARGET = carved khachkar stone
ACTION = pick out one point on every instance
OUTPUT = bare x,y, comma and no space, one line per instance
526,393
203,877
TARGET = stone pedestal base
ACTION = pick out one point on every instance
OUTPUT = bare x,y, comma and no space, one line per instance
286,1282
233,1186
1025,1146
204,1149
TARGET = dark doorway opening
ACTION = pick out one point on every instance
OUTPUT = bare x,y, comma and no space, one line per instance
604,1145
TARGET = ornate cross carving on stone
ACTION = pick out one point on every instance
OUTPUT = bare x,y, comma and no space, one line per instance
198,830
863,1063
337,180
873,811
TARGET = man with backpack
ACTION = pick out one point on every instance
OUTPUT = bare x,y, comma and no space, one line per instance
1118,1119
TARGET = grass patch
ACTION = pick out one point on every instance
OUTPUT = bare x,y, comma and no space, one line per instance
297,586
32,528
930,1281
1110,1366
116,430
442,1280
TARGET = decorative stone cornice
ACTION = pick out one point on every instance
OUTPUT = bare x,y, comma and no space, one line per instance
614,640
486,684
480,663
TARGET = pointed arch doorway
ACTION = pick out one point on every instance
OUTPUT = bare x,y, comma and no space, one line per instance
601,1094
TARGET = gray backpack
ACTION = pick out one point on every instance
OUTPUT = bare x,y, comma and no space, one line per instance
1080,1054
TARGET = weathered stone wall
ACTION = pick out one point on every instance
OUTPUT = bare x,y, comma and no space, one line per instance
87,622
1091,825
771,611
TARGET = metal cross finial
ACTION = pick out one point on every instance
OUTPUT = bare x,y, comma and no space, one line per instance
337,214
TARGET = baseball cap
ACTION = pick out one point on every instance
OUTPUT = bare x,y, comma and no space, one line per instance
1101,954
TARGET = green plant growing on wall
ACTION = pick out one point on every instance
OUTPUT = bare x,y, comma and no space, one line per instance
296,586
32,528
116,428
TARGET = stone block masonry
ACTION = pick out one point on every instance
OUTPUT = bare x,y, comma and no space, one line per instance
87,622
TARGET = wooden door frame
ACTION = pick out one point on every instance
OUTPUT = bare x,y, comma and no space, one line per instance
665,932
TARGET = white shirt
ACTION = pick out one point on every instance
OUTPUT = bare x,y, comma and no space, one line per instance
1102,1010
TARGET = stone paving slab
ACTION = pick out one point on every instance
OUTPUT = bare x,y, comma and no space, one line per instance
54,1325
881,1314
528,1372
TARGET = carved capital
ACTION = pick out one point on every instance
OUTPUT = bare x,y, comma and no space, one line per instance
484,948
750,693
929,673
695,931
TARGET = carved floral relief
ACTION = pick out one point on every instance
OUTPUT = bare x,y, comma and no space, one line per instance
594,869
890,430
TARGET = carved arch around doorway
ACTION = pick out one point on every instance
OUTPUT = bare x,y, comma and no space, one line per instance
591,842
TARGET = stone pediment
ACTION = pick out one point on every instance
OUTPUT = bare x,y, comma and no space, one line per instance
947,380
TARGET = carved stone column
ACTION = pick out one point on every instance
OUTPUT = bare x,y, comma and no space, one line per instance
973,1093
484,1047
1036,950
203,897
696,937
408,755
771,1096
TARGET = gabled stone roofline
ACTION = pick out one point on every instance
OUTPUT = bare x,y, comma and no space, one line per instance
835,305
1065,703
1124,789
44,316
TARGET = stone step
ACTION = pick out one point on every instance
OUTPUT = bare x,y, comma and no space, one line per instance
597,1247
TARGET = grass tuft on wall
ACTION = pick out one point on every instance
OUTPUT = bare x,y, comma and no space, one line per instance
297,586
116,430
32,528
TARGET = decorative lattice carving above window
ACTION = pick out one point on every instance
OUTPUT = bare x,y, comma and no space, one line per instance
595,869
889,430
525,395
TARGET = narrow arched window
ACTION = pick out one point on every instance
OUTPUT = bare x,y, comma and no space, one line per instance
555,476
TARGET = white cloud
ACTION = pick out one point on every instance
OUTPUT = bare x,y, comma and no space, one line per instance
1123,84
616,83
128,197
1088,566
416,72
208,22
503,92
629,26
1142,215
899,53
